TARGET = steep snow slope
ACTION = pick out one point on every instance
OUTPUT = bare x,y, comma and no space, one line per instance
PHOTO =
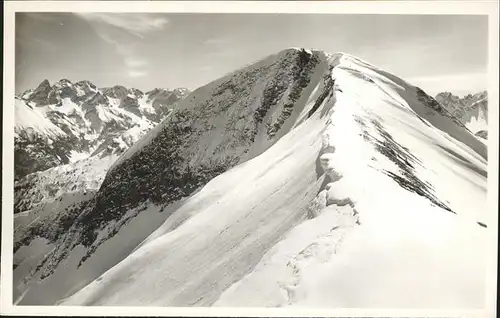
28,118
335,166
361,199
210,131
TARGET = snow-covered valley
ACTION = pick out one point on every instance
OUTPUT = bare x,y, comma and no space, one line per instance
307,179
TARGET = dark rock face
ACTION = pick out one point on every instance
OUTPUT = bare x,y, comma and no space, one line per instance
67,92
327,91
45,94
131,104
97,99
33,152
300,74
482,133
40,95
404,160
177,162
435,106
87,90
52,225
117,91
136,92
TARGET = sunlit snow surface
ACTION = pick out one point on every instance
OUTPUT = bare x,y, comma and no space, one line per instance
28,117
276,231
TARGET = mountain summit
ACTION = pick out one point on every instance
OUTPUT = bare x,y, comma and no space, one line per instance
305,179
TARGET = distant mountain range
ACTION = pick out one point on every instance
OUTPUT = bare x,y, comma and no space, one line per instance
65,122
471,110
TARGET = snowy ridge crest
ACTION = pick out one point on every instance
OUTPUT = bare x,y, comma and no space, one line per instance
263,186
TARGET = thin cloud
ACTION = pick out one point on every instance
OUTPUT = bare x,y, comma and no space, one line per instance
135,62
137,24
122,48
125,32
137,73
215,41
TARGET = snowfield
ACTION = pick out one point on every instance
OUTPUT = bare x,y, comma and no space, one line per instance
366,194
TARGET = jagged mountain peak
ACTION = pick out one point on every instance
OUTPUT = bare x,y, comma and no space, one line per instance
78,115
43,84
63,82
40,94
117,91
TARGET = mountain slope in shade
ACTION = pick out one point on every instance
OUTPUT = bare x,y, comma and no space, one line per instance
275,185
47,203
67,121
472,110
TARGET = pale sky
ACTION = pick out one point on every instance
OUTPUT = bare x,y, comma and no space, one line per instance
435,52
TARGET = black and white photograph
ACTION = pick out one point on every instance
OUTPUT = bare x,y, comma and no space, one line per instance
164,156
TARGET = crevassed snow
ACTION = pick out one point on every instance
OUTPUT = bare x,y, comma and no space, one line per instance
276,231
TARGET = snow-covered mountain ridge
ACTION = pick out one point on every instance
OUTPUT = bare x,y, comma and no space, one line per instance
68,121
269,186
